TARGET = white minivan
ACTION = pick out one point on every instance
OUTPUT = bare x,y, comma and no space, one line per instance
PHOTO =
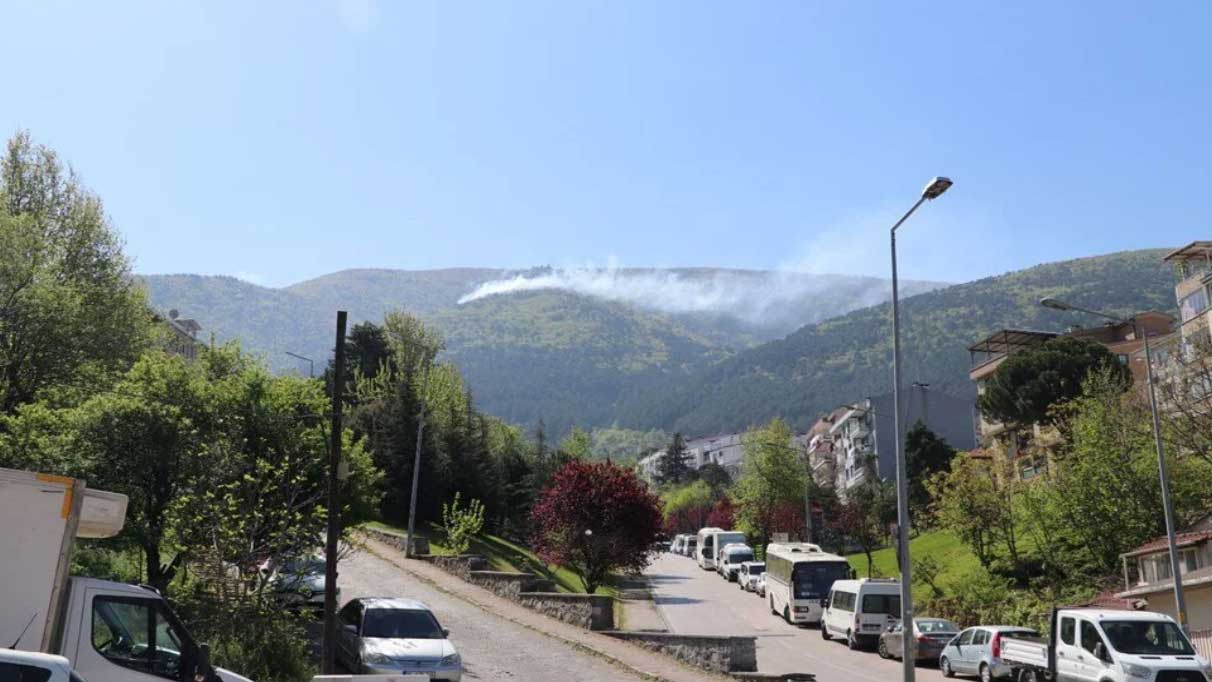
731,558
859,610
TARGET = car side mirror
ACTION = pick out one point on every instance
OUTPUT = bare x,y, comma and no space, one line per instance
446,632
825,603
1100,651
350,628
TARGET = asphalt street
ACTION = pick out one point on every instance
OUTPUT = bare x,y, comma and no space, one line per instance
694,601
492,647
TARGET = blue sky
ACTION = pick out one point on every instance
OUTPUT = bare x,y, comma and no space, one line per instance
280,141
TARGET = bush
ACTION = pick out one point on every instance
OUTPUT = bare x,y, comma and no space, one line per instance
461,525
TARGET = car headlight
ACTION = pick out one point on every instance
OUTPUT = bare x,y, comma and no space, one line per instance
377,659
1133,670
452,659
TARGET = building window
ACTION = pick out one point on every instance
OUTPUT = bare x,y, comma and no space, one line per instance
1193,304
1029,468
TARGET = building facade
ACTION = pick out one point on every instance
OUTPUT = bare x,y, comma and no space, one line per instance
1148,576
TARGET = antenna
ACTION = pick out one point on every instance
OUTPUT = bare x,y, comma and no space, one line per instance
31,622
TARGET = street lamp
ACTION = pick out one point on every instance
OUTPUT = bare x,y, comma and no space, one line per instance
311,364
934,189
1180,601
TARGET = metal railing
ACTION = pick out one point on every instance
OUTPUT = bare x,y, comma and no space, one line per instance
1202,641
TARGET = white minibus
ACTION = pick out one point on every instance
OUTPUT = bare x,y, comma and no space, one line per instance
799,575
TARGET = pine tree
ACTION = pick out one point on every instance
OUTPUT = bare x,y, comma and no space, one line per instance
674,467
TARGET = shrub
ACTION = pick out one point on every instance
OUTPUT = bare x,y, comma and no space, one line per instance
461,525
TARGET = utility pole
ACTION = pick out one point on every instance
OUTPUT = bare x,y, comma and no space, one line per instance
422,379
328,648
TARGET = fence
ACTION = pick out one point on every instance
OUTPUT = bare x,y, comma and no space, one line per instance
1202,640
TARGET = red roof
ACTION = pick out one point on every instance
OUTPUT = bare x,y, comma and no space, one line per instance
1108,600
1180,539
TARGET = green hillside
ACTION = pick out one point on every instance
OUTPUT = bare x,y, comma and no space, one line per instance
849,357
566,358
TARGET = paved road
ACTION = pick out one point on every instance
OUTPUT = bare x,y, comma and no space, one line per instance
493,648
694,601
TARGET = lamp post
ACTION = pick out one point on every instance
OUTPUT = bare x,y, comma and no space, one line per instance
933,190
1180,601
311,364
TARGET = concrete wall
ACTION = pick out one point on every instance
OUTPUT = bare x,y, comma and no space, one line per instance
714,653
1199,605
590,611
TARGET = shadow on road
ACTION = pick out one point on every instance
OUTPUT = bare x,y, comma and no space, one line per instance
677,600
661,578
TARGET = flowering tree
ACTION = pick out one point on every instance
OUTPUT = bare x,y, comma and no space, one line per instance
595,518
721,515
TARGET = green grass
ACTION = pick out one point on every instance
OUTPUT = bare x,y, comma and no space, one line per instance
955,560
504,555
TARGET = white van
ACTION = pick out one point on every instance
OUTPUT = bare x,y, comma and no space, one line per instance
731,558
704,552
860,610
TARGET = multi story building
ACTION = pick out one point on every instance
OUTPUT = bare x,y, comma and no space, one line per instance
854,442
1123,339
724,450
1148,576
1193,272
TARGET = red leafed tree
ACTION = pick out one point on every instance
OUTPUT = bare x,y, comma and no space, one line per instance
721,514
595,518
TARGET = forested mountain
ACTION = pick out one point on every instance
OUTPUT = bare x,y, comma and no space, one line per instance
576,351
849,357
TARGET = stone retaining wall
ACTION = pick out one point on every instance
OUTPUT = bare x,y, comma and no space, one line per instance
590,611
714,653
503,583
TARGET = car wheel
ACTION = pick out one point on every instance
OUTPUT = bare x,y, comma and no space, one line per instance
1028,676
945,666
986,673
824,630
851,643
787,614
773,612
882,649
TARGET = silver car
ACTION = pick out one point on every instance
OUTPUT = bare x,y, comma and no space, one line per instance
299,583
978,651
395,636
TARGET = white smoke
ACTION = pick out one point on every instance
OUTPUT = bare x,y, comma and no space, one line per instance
768,298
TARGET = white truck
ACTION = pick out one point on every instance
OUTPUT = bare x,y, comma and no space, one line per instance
110,632
1105,645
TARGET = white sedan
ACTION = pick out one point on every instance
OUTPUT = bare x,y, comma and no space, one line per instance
396,636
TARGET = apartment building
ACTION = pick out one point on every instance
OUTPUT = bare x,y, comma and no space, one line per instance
1125,340
854,442
724,450
1148,575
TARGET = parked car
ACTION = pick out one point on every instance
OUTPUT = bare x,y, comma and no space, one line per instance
748,574
860,610
676,545
29,666
730,559
691,544
759,586
299,582
931,635
394,636
978,651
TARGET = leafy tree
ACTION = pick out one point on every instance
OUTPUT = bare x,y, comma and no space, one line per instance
461,525
864,516
672,467
577,444
71,315
966,502
596,518
925,455
715,476
623,445
772,478
686,508
723,515
1027,385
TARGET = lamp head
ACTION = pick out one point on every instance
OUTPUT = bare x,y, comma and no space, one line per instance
1055,304
936,187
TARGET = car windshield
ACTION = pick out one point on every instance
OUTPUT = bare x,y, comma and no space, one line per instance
757,569
738,557
927,626
1147,637
813,580
401,624
303,567
882,603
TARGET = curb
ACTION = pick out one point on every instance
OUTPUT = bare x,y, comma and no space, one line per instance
643,674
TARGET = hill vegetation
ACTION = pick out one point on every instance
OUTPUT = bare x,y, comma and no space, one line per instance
849,357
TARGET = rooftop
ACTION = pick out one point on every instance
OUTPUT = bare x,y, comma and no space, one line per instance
1196,250
1006,340
1180,539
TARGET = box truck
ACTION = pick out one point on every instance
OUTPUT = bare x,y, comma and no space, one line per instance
109,631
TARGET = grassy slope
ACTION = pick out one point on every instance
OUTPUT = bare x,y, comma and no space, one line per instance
504,555
955,559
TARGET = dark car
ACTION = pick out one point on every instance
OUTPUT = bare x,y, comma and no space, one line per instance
932,635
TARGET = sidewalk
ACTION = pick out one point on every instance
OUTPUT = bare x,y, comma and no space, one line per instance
639,609
646,664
